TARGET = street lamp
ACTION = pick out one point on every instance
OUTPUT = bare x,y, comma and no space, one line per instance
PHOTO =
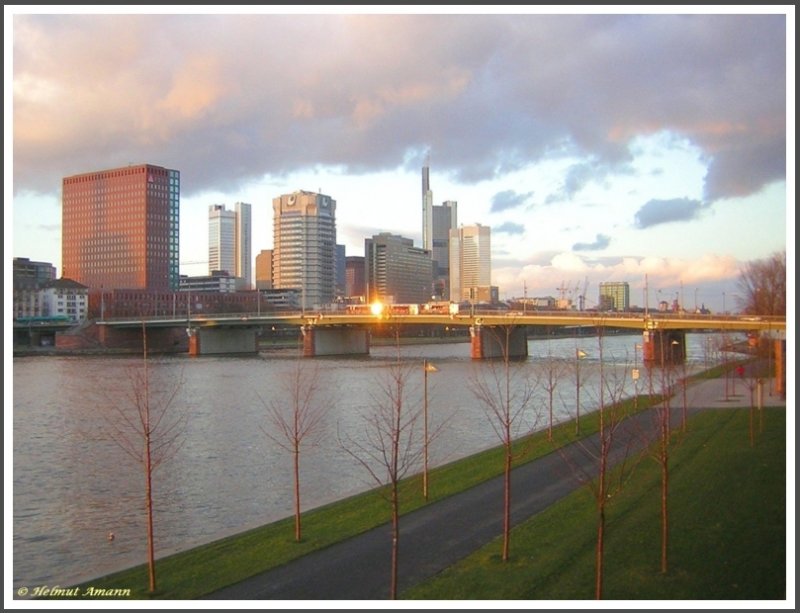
635,375
683,384
426,368
578,355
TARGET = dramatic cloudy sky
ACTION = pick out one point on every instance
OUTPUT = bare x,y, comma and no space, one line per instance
597,147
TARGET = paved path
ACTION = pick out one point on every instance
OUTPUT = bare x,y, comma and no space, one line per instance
437,535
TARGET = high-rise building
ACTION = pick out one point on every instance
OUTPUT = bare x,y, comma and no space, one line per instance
28,274
437,221
221,240
445,219
229,242
341,274
614,296
264,269
244,249
470,262
304,249
354,278
120,228
395,271
427,210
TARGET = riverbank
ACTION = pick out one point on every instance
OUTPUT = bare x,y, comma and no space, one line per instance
213,566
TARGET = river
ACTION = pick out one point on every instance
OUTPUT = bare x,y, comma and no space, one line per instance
73,484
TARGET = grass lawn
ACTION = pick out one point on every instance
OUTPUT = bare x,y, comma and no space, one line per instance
553,554
727,529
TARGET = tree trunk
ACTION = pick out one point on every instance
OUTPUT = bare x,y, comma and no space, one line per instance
151,558
664,511
507,503
395,541
297,528
601,527
148,469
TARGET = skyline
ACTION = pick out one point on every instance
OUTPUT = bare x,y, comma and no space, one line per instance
595,146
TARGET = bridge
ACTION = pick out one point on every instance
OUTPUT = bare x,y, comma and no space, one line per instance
493,333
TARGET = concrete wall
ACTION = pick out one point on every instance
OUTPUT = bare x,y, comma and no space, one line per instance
93,336
490,342
335,341
212,341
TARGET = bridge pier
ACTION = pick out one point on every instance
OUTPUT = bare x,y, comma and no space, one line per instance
334,341
666,347
489,342
215,341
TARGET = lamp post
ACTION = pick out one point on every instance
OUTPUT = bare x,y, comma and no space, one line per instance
426,368
635,375
683,383
578,355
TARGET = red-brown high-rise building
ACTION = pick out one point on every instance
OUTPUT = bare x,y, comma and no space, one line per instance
120,228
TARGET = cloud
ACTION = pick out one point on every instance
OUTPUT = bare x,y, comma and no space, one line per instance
657,212
510,227
214,97
508,199
702,279
601,242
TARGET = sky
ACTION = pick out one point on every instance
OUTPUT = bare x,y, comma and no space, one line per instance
632,144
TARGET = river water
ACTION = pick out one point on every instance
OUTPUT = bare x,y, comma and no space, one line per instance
74,482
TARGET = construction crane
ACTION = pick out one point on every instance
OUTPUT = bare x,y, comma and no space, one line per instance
582,295
562,289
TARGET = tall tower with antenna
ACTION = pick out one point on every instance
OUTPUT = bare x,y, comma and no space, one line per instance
427,206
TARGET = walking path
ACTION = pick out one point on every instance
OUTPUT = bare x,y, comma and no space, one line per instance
438,535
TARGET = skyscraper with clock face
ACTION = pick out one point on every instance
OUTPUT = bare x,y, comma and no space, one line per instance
304,250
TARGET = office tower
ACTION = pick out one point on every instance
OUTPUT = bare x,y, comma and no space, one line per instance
304,249
614,296
354,277
244,250
470,262
437,221
28,274
221,240
229,240
120,228
341,277
444,220
395,271
427,210
264,269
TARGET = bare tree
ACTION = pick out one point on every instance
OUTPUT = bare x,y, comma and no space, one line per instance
505,393
551,371
611,448
297,416
754,385
660,452
149,432
763,286
390,447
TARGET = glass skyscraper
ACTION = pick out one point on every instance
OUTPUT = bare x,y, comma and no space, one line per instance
229,241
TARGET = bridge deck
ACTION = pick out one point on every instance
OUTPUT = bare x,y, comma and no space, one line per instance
633,321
